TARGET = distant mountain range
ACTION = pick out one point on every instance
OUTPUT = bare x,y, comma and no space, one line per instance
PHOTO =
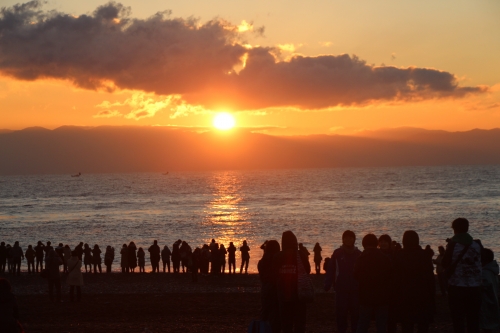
71,149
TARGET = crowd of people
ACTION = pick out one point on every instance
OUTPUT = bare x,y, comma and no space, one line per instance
387,281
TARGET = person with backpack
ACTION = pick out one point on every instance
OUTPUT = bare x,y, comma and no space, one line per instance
462,265
288,263
75,277
340,274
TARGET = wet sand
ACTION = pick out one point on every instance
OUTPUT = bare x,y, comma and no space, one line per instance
165,303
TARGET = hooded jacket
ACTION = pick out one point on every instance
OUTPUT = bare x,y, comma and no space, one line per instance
468,271
341,270
285,263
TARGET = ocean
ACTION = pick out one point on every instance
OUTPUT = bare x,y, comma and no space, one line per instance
232,206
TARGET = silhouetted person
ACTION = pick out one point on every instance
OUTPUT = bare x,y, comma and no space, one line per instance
385,245
96,258
60,252
317,258
75,277
47,249
3,257
214,258
124,258
415,285
9,258
429,251
372,270
17,255
154,253
222,258
87,257
9,314
141,257
443,283
340,274
79,250
325,264
231,257
269,291
462,261
195,266
303,250
204,259
176,257
490,310
39,256
185,252
165,258
66,257
245,257
30,258
109,257
52,264
292,309
132,256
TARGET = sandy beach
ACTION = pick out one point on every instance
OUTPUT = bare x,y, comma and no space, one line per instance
165,303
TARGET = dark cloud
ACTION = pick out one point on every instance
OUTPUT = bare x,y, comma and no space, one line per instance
108,49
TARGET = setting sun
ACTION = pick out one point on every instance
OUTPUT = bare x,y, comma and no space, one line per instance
224,121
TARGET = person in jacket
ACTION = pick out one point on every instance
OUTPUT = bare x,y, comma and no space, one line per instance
66,257
47,249
214,258
39,250
30,258
124,259
176,257
154,254
79,250
340,274
132,256
87,257
195,266
490,310
96,258
462,261
385,244
75,277
245,257
204,259
269,291
9,311
17,256
3,257
372,270
443,285
109,257
52,264
185,253
231,257
165,258
286,263
141,258
317,258
414,284
222,258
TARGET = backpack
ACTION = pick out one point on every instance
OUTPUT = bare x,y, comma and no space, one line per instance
259,326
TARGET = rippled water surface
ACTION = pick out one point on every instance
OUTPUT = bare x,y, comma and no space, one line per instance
317,204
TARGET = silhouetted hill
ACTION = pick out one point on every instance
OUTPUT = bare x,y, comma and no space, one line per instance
71,149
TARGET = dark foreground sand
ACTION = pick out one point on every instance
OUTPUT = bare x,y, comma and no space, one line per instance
165,303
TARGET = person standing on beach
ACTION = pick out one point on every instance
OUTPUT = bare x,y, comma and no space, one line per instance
222,258
75,277
269,292
231,250
373,270
185,252
3,257
176,257
96,258
87,259
214,258
195,266
462,263
52,264
317,258
109,257
67,256
414,285
292,309
141,257
165,258
340,274
124,259
17,255
245,257
154,254
47,249
443,285
204,259
132,256
79,250
30,258
39,250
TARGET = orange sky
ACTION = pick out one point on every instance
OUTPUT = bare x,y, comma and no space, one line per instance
459,39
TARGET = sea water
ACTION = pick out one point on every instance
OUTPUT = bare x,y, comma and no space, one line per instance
232,206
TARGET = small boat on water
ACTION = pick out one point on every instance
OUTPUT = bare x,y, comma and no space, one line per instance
77,175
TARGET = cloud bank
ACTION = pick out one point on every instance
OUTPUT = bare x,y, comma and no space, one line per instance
206,64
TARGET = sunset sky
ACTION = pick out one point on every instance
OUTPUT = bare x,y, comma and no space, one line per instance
282,67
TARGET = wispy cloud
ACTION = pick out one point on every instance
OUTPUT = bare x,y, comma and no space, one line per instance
107,114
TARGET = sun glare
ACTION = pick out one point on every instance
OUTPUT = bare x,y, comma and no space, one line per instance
224,121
